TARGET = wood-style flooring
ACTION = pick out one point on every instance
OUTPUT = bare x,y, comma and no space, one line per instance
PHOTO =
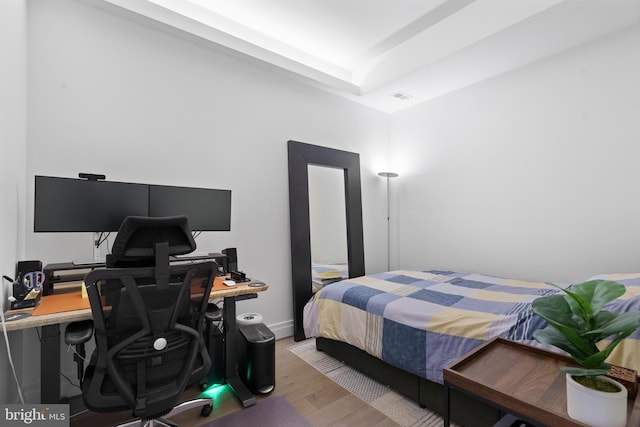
321,401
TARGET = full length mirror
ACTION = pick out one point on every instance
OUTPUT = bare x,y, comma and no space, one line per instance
301,156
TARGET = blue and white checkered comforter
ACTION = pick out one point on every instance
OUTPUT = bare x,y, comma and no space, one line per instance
421,321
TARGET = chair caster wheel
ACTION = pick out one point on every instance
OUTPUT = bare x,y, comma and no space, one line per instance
206,410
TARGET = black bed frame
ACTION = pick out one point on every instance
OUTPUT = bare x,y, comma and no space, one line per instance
465,410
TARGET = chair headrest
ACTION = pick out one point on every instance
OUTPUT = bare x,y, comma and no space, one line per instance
138,236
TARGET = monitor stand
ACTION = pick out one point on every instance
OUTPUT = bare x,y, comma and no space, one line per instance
193,255
88,262
97,259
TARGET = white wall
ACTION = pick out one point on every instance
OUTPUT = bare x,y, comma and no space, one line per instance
109,95
13,130
533,174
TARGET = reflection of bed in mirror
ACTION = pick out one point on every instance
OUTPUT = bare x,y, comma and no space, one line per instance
328,229
323,274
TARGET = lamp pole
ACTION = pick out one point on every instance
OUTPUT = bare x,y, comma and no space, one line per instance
388,175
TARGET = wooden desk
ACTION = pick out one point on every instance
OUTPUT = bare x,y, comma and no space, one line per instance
50,338
519,379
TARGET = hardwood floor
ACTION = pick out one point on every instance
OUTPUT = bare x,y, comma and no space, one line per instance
321,401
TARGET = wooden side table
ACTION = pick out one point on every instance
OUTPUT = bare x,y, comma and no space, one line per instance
519,379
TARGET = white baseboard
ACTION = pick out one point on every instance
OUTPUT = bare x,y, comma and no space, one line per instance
31,392
282,329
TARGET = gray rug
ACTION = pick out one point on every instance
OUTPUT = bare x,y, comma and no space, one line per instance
274,411
403,411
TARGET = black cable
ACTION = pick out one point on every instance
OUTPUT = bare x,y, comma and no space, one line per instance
70,382
6,340
101,240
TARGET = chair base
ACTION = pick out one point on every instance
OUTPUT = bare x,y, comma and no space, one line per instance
205,402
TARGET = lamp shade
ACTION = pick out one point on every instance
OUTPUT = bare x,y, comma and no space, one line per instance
387,174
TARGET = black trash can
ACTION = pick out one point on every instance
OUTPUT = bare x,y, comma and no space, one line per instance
257,357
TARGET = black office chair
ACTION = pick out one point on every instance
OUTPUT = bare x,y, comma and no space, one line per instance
148,317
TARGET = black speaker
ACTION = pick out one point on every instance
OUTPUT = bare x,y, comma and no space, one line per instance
223,264
257,357
232,262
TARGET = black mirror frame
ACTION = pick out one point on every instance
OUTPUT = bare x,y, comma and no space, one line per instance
301,155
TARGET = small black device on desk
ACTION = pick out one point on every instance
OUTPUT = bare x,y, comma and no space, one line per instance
238,276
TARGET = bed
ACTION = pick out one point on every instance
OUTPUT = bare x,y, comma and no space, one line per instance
403,327
323,274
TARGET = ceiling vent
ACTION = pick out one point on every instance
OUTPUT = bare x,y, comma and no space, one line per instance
402,96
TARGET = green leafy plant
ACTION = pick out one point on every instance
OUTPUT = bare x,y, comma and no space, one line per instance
577,323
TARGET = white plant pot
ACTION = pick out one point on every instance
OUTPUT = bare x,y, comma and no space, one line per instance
596,408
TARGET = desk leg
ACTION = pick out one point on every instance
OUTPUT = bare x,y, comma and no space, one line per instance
447,408
231,346
50,364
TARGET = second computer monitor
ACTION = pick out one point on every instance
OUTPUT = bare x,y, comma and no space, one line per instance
207,209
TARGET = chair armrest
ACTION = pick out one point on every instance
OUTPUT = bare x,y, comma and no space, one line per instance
213,313
78,332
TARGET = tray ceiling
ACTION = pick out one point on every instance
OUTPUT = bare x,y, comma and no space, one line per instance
390,54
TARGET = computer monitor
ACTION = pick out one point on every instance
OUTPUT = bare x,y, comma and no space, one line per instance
207,209
79,205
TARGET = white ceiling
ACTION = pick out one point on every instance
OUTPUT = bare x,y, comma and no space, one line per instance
370,50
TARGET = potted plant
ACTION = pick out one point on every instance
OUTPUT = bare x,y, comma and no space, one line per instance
577,322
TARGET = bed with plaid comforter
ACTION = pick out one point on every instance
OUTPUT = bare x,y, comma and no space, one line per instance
421,321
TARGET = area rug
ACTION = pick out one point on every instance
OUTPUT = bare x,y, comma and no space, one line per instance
393,405
274,411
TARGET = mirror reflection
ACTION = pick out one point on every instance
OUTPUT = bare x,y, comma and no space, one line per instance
328,227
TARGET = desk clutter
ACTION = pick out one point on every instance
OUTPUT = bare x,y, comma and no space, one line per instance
53,288
27,285
56,274
72,296
39,289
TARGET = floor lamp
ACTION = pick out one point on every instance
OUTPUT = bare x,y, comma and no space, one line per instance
388,175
